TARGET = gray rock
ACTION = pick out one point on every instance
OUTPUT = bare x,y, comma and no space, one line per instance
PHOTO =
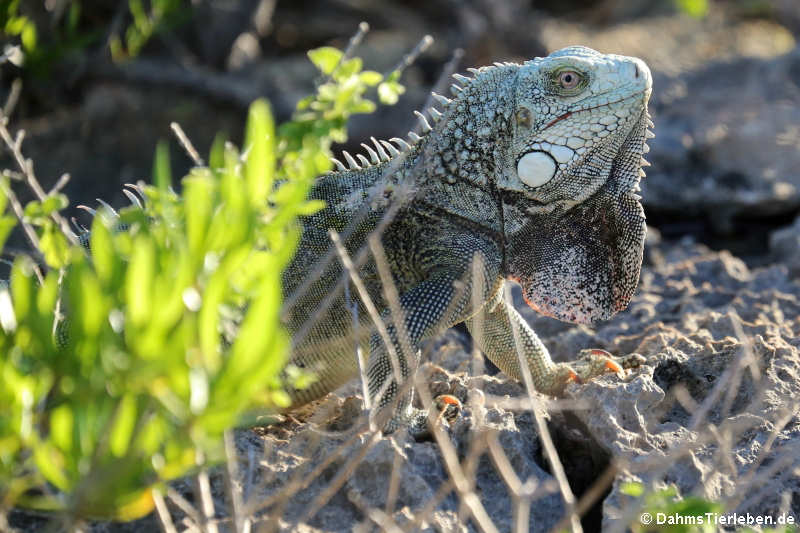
727,140
784,244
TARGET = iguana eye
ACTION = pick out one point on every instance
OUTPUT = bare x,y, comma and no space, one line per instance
569,79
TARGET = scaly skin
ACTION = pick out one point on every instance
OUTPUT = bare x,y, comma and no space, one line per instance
529,174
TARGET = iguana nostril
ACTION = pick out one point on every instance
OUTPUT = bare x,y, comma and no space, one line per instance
636,71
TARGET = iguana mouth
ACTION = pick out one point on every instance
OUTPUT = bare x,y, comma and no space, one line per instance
576,111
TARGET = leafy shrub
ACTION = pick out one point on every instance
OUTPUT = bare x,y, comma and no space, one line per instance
42,45
172,331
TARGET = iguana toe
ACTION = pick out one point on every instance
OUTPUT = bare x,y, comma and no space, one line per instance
448,406
596,362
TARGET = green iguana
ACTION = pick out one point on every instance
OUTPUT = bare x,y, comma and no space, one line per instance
530,173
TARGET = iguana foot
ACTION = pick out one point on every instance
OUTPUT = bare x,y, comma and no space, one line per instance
448,407
444,407
590,364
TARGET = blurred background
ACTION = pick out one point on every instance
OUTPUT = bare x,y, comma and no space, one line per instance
96,83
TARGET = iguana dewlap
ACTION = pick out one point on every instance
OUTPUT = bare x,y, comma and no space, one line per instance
529,173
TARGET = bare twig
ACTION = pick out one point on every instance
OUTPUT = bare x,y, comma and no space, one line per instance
341,477
412,56
191,513
27,229
60,184
26,166
355,40
186,144
454,468
13,97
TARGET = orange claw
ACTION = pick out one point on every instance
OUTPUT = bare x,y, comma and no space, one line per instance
450,400
600,353
614,367
574,377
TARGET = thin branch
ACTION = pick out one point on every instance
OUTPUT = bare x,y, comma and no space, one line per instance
355,40
412,56
27,229
26,166
13,97
60,184
186,144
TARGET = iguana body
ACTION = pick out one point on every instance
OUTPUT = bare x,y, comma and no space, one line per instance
529,174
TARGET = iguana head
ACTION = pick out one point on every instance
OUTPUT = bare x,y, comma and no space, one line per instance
572,220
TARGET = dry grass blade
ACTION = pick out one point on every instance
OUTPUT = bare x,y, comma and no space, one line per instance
544,433
192,515
358,352
203,489
373,312
234,492
164,518
394,479
382,519
596,491
391,296
521,493
454,469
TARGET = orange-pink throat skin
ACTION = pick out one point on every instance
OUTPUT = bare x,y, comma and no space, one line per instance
582,265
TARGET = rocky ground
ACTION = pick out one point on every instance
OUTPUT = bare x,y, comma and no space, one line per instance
714,412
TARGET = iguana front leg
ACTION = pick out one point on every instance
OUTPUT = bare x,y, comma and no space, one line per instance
493,329
429,308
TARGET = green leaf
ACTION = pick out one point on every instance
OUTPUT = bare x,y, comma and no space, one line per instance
103,254
50,462
54,246
216,157
259,168
124,424
198,203
389,92
693,8
349,68
53,203
325,58
162,172
363,106
7,223
22,286
139,281
370,78
61,427
632,488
